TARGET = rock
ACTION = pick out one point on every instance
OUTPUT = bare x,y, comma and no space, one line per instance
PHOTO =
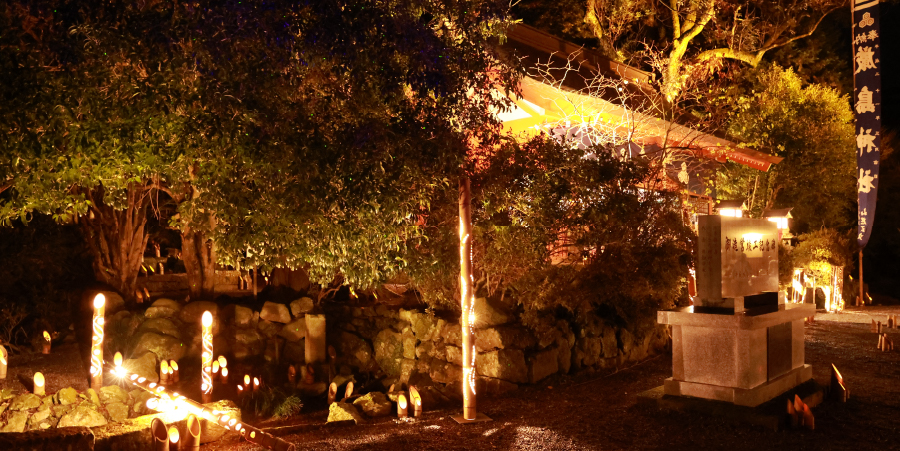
40,415
610,343
67,396
409,344
25,401
452,334
192,313
388,351
92,396
564,360
48,400
445,373
241,316
341,411
543,364
164,346
248,342
268,328
82,416
114,302
140,402
315,338
424,349
355,350
294,330
163,308
503,337
626,341
506,364
407,367
117,411
295,352
15,422
374,404
277,313
425,326
302,306
453,355
164,326
489,313
113,393
60,410
144,366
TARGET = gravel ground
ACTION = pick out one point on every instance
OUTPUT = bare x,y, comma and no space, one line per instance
601,412
596,411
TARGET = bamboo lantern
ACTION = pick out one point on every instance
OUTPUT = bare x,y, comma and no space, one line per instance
46,343
223,365
467,297
39,384
348,392
97,342
224,375
173,371
292,375
332,393
206,365
192,433
164,373
247,383
215,367
173,438
117,359
3,363
255,384
160,435
401,406
240,391
416,401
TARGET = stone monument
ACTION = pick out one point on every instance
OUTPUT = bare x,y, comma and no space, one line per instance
739,342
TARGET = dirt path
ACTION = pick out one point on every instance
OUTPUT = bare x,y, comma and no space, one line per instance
602,413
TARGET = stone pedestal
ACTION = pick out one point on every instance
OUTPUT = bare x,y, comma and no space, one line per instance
743,358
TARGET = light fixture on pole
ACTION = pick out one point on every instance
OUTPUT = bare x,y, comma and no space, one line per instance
97,342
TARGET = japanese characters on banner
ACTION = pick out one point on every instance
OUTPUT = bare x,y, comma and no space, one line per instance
867,97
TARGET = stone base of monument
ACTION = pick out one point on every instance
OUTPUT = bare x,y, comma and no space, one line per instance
744,358
770,415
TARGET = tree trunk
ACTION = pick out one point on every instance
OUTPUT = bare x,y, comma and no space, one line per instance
199,256
117,239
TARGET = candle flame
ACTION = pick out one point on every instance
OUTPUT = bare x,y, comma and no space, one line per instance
46,336
38,379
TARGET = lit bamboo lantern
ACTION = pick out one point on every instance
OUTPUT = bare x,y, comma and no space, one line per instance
192,435
224,375
39,384
173,438
97,342
247,382
416,401
332,393
160,435
164,373
215,367
46,343
348,392
255,384
3,363
401,406
223,362
173,371
206,365
292,375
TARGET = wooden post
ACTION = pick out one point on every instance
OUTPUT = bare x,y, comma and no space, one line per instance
862,300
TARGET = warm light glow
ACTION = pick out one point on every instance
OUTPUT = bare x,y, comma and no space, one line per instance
134,377
206,357
402,401
215,367
153,403
255,382
246,379
164,367
38,379
207,319
173,365
173,434
117,359
224,372
99,300
752,236
240,388
46,336
732,212
142,379
222,362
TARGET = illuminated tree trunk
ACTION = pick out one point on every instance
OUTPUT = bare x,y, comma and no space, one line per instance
467,297
117,238
199,256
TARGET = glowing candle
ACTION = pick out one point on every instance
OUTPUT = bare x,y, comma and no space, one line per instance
206,386
215,367
246,381
97,342
416,400
164,372
255,384
39,384
223,362
173,438
173,370
224,374
46,343
3,356
401,406
117,359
